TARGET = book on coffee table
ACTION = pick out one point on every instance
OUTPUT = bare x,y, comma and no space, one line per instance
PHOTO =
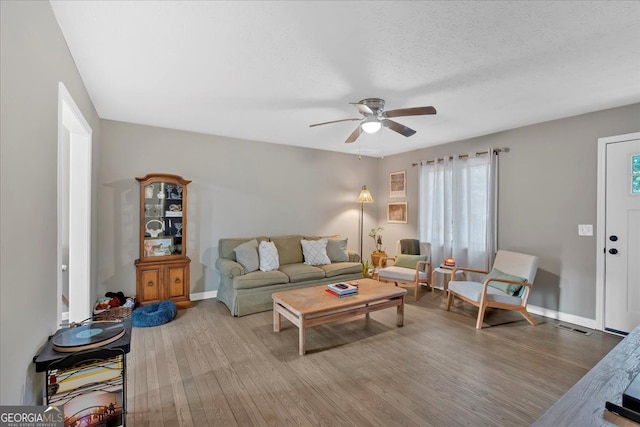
329,291
342,289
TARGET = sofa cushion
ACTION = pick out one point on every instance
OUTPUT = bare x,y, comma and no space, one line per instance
338,268
315,252
247,255
227,245
289,249
269,259
301,272
337,250
333,236
258,279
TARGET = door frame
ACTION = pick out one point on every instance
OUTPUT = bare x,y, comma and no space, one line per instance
601,237
71,119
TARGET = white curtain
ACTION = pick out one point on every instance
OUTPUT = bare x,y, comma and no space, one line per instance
458,201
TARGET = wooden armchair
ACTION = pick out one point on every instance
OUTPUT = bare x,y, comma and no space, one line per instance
506,287
405,269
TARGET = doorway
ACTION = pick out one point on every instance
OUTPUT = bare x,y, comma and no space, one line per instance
74,210
618,238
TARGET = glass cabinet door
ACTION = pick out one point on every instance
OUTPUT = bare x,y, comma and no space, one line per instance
163,219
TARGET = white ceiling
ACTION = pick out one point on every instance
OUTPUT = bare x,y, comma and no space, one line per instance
266,70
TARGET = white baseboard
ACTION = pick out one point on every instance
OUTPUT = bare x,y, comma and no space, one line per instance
563,317
203,295
65,315
546,312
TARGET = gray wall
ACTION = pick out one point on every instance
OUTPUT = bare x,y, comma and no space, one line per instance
34,58
240,188
547,186
244,188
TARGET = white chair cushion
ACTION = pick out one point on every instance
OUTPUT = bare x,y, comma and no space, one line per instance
400,274
473,291
517,264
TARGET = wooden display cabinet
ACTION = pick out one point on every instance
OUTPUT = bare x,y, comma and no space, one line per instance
162,271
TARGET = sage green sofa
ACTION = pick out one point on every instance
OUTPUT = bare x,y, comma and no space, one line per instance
246,293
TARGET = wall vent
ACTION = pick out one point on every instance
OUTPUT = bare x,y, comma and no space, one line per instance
572,329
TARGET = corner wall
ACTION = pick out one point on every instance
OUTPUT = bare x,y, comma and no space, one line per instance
239,188
547,186
34,58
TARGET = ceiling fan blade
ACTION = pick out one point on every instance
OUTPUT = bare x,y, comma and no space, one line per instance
354,135
395,126
417,111
364,109
333,121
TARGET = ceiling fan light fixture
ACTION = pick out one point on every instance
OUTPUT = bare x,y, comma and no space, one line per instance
374,117
371,125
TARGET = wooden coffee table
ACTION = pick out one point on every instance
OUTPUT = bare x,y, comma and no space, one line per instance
306,307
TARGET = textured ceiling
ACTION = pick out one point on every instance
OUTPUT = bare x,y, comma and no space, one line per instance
266,70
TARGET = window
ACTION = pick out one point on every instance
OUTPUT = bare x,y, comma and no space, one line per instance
635,174
458,209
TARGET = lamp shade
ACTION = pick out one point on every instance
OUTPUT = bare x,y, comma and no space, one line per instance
365,196
371,125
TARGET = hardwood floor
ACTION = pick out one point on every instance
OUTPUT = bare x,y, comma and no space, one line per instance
206,368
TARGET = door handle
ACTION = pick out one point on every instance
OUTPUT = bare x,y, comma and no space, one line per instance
613,238
613,251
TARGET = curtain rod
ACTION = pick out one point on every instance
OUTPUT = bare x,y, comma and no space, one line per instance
461,156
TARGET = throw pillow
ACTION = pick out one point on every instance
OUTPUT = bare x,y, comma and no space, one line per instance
337,250
247,255
507,288
269,259
315,252
410,261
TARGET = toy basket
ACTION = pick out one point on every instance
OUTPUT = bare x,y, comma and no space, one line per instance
114,313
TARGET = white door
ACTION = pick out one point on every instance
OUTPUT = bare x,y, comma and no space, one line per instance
622,236
74,209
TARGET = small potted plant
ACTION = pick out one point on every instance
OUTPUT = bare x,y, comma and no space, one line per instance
365,269
379,252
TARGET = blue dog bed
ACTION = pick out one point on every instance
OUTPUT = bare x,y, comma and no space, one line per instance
154,314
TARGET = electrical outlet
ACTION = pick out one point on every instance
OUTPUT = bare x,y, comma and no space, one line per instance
585,230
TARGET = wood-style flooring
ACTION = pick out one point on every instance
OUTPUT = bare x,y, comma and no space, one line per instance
206,368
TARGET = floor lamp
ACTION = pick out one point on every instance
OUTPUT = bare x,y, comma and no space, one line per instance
364,197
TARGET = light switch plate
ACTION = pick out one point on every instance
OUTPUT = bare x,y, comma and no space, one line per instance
585,230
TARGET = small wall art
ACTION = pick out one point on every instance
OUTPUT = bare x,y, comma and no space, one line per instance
398,184
397,213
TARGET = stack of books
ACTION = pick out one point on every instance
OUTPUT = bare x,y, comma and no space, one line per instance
342,289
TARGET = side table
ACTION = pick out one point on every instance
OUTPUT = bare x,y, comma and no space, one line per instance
445,279
91,384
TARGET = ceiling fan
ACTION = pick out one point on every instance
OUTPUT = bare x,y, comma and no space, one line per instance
374,117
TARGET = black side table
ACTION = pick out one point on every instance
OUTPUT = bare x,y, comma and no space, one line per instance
89,384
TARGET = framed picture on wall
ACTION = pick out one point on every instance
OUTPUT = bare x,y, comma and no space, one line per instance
398,184
397,213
